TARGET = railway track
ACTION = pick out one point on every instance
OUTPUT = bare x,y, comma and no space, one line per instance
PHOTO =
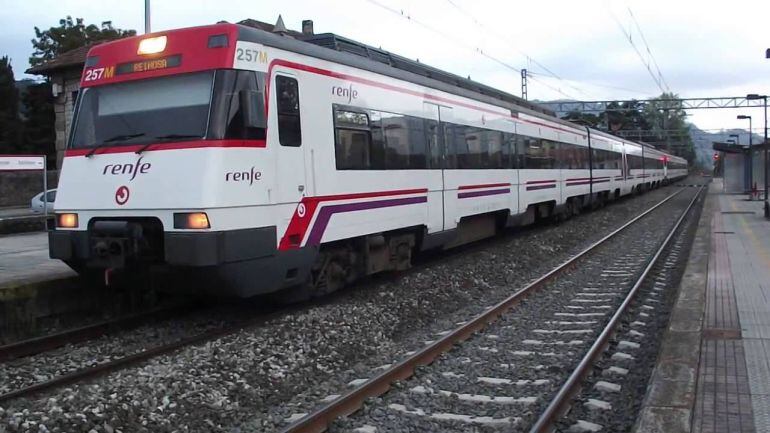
541,342
42,344
34,346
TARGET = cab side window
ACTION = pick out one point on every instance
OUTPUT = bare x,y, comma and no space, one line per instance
287,92
244,84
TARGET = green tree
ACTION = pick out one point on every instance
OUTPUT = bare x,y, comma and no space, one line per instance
585,119
669,126
71,34
39,135
627,116
653,121
10,124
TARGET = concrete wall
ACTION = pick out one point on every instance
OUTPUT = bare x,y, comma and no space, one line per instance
18,187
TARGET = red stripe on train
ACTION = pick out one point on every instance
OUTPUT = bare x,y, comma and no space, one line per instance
485,185
255,144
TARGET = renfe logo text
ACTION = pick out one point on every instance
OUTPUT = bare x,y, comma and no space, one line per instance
132,169
251,176
348,93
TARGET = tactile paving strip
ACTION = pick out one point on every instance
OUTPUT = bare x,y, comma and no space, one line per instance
761,404
758,365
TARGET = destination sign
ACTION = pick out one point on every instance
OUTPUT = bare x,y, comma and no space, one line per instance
149,65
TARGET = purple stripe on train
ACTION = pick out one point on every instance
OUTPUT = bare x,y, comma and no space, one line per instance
483,193
326,212
534,187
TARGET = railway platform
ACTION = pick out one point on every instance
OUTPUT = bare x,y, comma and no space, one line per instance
24,260
713,370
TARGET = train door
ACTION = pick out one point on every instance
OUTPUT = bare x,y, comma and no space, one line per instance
446,115
435,140
289,145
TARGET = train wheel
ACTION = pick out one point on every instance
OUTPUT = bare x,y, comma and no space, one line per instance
333,275
333,271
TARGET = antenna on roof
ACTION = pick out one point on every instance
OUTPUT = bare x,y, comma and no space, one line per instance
279,26
147,17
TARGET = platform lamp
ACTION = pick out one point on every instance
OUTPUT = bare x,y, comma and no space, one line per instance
754,96
751,155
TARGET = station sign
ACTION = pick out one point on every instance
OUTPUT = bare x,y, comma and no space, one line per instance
22,162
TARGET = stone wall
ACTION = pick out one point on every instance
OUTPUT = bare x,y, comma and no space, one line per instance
64,106
18,187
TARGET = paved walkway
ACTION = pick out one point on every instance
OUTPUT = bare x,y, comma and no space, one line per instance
714,365
24,258
741,240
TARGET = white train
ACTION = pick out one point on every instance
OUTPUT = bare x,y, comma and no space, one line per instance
247,162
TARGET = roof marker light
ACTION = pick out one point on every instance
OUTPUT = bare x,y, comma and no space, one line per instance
152,45
218,41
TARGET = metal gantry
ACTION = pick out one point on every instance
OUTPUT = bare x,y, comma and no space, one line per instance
659,104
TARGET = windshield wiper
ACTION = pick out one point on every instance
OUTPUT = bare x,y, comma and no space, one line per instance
171,136
121,137
166,137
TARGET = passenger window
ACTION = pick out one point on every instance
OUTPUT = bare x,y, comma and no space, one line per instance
541,154
405,145
353,141
287,93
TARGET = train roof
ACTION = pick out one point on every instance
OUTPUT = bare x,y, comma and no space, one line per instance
339,49
339,43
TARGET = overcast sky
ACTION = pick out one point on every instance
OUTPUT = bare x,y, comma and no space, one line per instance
702,48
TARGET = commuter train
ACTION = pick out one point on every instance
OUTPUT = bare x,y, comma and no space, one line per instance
244,162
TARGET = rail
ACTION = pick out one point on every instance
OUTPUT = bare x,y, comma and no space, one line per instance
320,419
560,403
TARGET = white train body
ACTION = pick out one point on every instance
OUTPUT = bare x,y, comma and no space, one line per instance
359,164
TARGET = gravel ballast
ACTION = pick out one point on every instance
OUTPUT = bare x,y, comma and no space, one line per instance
634,348
257,379
503,377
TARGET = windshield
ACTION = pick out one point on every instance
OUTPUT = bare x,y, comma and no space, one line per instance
144,111
203,105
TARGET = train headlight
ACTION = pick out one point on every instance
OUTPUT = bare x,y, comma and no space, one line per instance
67,220
152,45
191,220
